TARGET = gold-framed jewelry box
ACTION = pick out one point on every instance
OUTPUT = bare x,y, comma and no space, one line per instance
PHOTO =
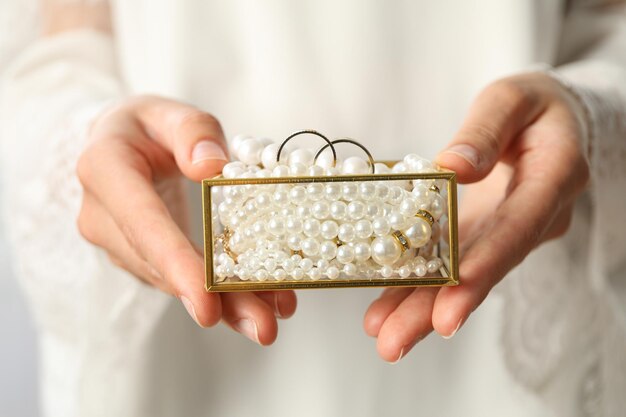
448,274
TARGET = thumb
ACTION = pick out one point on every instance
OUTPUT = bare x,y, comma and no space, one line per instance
195,138
499,113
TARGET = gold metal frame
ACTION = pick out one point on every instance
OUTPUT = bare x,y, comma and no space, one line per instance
449,273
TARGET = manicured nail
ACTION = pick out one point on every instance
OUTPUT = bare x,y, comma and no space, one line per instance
467,152
190,309
399,356
458,326
206,150
277,307
248,328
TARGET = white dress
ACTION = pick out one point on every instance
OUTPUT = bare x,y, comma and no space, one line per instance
550,341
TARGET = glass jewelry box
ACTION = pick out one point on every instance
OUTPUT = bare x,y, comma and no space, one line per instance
271,226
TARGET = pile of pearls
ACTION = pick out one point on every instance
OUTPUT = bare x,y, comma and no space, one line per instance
324,230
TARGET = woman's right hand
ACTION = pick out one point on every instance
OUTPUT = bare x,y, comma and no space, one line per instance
134,148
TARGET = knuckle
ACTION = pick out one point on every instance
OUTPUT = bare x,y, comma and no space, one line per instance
510,91
196,116
85,228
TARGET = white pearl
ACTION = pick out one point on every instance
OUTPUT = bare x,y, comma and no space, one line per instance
232,169
315,191
268,155
325,160
297,195
331,172
380,226
338,210
437,206
350,269
265,141
269,264
396,220
332,272
399,168
293,225
311,227
332,191
404,271
280,171
322,264
329,229
380,168
346,232
263,173
356,210
315,171
294,242
302,156
382,191
367,190
422,193
315,274
276,226
408,207
421,270
320,209
386,250
395,195
418,233
345,254
297,274
310,247
306,264
263,200
350,191
303,210
328,250
373,209
261,275
355,165
433,266
249,152
386,271
362,252
289,265
280,274
280,198
236,142
363,229
297,169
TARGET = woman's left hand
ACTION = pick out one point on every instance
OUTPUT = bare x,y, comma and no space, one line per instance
520,147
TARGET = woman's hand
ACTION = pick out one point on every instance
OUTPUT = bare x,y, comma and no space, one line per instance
520,146
135,150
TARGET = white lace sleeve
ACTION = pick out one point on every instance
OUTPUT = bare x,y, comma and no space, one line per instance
82,305
566,311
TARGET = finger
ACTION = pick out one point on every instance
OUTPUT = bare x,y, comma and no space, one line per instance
406,325
97,227
283,303
381,308
116,174
194,137
515,229
247,314
498,114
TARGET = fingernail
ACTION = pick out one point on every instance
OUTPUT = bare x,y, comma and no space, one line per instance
277,306
248,328
399,356
458,326
207,150
467,152
190,309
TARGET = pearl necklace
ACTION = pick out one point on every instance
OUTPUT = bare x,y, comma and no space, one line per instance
324,230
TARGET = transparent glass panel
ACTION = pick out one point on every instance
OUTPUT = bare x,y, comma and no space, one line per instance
315,232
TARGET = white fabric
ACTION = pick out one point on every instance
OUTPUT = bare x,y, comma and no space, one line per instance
386,73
